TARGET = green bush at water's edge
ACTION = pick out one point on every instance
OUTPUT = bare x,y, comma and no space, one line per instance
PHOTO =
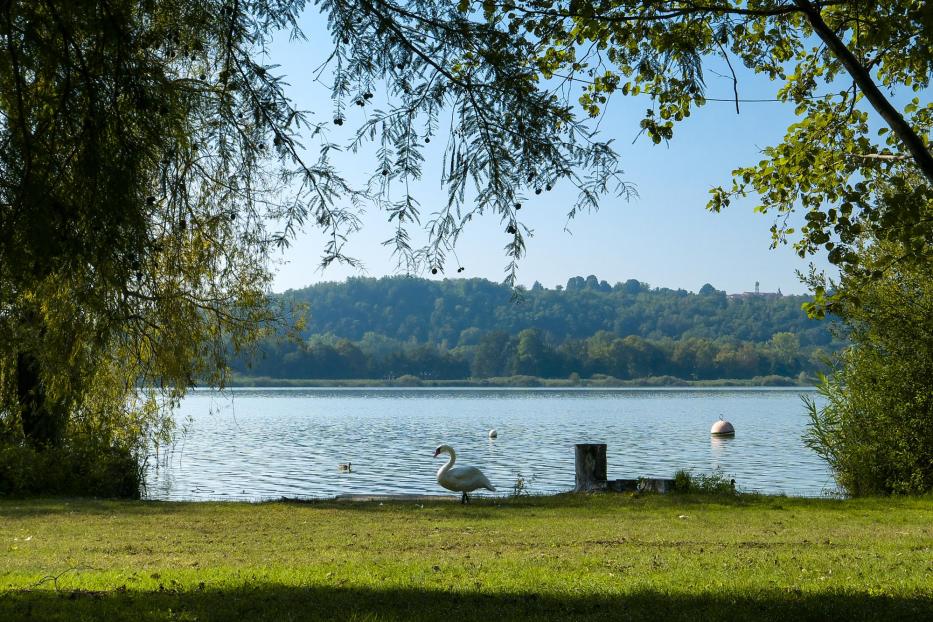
76,468
876,426
711,483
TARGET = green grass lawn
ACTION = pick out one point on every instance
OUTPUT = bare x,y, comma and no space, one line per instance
613,557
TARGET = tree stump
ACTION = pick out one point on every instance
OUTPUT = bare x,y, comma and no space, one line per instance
590,465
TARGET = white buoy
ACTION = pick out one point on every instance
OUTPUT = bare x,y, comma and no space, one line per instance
493,433
722,428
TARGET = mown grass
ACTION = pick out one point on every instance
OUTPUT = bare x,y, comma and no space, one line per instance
613,557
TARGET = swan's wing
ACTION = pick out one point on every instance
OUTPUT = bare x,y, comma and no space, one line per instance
467,478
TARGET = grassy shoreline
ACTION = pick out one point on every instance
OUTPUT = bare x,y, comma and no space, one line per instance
593,557
607,382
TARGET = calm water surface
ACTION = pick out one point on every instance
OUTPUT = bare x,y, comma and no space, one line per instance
267,443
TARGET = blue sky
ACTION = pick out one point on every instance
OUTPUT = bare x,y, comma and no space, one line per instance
664,237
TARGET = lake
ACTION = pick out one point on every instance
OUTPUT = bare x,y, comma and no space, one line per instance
267,443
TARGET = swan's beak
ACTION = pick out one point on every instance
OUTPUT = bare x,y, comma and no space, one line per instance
436,453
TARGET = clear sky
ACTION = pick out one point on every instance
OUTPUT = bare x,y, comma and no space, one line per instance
664,237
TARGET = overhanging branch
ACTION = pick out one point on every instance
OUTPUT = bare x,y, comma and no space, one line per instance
910,139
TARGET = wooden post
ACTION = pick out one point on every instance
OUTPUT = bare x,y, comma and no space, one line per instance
590,465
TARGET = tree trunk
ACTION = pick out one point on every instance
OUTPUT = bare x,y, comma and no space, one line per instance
590,464
43,423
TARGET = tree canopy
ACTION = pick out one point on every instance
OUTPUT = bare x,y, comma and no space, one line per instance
457,328
431,311
836,61
856,73
150,166
135,187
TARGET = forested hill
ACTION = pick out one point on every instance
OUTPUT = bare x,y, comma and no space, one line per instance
449,313
455,329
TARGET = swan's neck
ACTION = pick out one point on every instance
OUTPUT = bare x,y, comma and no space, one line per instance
450,462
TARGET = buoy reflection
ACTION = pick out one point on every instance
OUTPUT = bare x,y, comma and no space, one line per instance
719,445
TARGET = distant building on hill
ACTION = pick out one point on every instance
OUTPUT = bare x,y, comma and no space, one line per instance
757,293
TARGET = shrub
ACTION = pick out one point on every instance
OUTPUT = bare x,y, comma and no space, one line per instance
522,485
713,483
876,426
109,430
682,481
78,469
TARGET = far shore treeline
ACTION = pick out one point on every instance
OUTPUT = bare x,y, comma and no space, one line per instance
383,329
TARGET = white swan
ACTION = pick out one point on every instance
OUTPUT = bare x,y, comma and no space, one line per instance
460,479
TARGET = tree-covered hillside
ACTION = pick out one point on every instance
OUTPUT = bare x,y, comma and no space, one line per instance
454,329
455,312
